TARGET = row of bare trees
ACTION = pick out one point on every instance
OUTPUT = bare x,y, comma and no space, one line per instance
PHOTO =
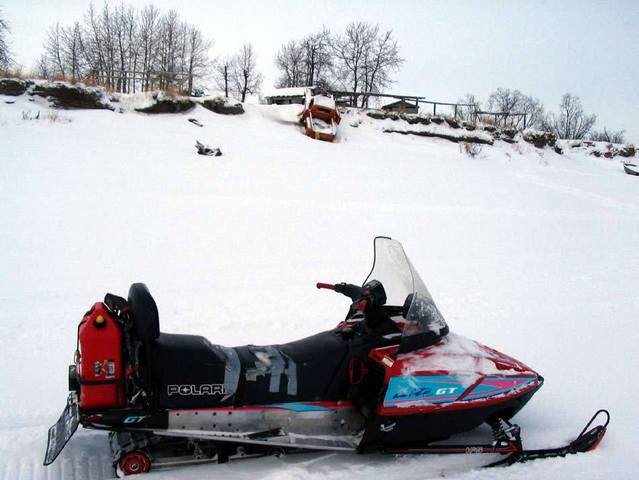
570,122
362,59
127,49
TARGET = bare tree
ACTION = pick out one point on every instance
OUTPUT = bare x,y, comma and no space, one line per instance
197,61
608,136
222,70
534,111
42,68
306,62
571,123
245,77
365,58
71,47
317,58
350,50
382,57
507,101
468,113
148,39
290,62
5,53
53,48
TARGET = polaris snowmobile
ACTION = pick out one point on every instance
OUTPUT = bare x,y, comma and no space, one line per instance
389,378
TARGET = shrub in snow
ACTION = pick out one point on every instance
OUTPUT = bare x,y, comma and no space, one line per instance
51,116
471,149
13,86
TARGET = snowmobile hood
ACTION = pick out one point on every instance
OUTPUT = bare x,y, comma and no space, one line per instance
456,354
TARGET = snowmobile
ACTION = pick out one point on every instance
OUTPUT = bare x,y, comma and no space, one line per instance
389,378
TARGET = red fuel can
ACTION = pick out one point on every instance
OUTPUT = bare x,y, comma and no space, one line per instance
100,365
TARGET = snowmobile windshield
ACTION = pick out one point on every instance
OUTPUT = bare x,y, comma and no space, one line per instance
422,322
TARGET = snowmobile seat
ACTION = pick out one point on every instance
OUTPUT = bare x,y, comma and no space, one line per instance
188,371
306,370
145,312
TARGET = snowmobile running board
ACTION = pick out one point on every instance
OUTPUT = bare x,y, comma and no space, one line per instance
508,441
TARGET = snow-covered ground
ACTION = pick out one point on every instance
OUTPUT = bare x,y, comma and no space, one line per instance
530,252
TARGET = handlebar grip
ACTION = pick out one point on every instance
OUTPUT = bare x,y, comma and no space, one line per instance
327,286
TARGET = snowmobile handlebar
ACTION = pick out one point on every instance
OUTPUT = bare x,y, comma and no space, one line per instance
354,292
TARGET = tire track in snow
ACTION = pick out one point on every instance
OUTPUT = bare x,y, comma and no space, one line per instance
600,200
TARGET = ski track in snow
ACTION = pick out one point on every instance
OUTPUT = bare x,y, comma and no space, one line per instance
528,252
581,193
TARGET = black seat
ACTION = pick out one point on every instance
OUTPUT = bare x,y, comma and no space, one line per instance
306,370
188,371
145,312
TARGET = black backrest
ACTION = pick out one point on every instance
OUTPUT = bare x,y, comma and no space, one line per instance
146,320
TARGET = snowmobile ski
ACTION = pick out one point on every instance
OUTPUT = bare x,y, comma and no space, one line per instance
587,440
507,441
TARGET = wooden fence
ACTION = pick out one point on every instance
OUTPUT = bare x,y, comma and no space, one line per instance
500,118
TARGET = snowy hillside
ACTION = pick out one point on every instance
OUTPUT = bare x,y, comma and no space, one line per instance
527,251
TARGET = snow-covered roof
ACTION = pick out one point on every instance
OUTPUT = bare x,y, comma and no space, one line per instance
286,92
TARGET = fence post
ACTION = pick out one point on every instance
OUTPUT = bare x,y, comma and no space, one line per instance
455,111
434,108
525,121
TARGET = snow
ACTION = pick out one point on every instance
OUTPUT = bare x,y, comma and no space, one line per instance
324,101
455,354
526,251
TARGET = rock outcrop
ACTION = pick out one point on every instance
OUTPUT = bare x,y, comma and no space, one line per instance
222,106
63,95
13,86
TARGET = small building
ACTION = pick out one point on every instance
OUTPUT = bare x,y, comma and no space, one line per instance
285,96
401,106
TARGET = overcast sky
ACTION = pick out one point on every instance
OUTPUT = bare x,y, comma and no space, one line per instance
543,48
